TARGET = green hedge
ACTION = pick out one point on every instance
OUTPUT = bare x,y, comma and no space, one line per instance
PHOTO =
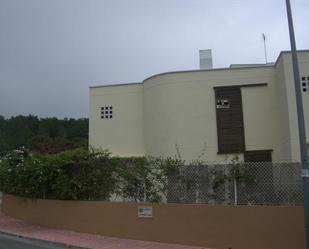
80,174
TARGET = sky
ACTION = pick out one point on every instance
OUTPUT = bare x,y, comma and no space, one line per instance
51,51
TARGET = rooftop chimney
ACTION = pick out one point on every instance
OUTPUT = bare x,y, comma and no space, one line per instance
205,59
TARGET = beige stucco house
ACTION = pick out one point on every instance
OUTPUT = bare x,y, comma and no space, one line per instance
249,110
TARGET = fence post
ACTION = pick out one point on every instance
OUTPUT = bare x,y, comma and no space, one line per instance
235,192
145,194
227,190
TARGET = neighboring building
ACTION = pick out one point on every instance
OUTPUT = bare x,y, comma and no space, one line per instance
249,110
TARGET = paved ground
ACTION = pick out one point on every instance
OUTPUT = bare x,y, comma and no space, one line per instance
15,242
24,229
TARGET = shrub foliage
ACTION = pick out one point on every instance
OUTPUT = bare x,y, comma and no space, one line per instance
80,174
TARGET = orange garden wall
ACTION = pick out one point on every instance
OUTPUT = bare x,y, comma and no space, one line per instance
236,227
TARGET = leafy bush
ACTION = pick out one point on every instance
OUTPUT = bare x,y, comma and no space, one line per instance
145,179
238,172
82,175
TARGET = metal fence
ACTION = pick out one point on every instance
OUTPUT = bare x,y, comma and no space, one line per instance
238,184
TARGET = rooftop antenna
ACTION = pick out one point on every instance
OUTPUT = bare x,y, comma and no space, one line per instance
265,52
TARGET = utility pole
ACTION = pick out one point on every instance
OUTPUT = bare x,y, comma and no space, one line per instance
301,121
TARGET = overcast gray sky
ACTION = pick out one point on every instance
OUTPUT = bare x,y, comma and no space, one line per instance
51,51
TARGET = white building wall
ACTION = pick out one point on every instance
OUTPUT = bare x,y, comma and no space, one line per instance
123,134
284,143
286,64
304,72
179,109
261,119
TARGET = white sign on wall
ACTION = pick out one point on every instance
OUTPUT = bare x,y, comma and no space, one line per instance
144,211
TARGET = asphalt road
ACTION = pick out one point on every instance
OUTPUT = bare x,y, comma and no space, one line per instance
14,242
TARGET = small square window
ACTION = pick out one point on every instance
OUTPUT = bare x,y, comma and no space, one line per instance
305,84
106,112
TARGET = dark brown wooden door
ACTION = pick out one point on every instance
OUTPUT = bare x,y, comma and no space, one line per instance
258,156
230,124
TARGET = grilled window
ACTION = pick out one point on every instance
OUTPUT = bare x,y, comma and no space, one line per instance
106,112
304,83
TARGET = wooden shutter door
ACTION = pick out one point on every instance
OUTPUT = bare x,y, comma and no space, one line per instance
230,125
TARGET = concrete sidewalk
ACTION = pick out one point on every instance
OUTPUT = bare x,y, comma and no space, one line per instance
24,229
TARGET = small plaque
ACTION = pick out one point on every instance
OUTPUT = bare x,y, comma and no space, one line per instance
144,211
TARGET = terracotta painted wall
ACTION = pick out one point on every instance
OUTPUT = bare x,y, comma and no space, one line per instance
227,227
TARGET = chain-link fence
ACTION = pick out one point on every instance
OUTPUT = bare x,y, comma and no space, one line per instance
237,184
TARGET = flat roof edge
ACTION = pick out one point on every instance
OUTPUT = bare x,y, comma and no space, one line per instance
121,84
289,51
208,70
260,66
272,64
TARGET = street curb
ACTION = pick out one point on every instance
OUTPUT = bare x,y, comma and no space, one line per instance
49,242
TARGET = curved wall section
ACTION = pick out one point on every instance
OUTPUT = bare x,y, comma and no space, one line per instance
176,115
